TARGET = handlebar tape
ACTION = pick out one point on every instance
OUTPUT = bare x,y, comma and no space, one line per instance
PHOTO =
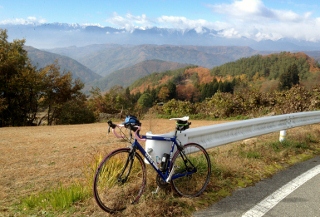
112,125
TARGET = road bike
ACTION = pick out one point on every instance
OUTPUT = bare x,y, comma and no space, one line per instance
121,177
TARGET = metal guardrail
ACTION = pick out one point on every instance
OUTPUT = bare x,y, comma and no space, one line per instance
220,134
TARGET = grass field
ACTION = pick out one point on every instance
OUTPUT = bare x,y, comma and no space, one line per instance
35,160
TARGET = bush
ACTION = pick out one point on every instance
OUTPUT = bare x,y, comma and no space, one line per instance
178,108
75,112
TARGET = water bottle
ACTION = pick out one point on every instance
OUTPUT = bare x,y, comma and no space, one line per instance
164,162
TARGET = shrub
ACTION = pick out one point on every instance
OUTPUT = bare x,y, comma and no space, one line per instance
75,112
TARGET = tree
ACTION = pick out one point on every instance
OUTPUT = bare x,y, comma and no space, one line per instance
58,89
117,101
172,90
19,84
163,93
294,74
75,111
145,100
25,90
96,102
289,78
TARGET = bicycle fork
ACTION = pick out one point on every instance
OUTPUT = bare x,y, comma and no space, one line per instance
128,164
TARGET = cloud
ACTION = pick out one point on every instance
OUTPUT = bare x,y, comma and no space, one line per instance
240,18
130,22
183,23
244,9
252,19
21,21
255,11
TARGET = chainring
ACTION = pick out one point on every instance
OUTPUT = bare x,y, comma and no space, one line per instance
161,183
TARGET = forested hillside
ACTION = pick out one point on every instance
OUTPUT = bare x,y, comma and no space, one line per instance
251,87
125,77
269,67
40,59
258,71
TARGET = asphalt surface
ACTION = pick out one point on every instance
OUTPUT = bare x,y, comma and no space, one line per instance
303,201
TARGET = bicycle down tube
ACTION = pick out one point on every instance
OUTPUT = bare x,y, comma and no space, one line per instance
163,175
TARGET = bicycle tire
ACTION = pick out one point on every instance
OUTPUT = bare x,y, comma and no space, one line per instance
117,183
191,185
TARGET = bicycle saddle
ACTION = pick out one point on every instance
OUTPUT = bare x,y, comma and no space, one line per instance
182,123
185,118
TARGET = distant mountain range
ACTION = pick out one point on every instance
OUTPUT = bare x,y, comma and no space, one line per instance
125,77
107,65
108,58
52,35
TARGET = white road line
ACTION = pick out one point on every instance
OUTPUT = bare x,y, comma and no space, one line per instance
269,202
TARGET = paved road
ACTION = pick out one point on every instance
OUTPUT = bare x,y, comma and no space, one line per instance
303,201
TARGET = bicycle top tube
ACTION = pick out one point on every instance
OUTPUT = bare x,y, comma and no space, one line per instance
145,137
181,124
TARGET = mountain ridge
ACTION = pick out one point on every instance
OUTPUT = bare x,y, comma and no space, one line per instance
264,71
126,76
51,35
114,58
107,58
40,59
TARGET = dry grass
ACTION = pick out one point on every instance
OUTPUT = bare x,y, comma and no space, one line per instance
37,159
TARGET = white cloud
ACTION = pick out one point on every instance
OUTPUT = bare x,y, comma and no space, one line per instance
230,33
251,18
243,9
91,24
21,21
242,18
129,22
183,23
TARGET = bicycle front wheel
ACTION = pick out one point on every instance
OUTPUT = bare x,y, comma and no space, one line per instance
119,180
192,170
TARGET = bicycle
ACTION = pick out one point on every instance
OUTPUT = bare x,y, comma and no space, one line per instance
120,178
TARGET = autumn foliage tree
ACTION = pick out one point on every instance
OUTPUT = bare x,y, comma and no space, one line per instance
58,92
117,101
19,84
24,90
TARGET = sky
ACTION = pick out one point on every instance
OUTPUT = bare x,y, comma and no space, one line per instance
257,19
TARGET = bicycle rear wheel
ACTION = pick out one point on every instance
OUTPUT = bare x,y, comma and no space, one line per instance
119,180
192,170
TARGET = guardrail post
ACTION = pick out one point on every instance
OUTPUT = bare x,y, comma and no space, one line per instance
282,136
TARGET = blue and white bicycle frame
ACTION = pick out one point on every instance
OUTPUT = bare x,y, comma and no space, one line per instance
168,174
